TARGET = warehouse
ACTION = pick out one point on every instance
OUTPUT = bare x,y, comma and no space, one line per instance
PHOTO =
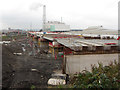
96,31
78,52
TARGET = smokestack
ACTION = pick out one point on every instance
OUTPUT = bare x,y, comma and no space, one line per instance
44,17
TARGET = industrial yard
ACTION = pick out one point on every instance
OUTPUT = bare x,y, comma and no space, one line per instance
30,60
23,71
59,44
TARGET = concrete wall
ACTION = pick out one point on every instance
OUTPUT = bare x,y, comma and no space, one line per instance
77,63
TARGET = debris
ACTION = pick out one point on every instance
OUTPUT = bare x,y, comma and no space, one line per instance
13,40
17,54
57,79
1,42
34,70
54,81
23,49
24,71
38,50
41,76
23,45
4,42
30,53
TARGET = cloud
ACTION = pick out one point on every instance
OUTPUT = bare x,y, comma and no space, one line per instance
77,14
35,6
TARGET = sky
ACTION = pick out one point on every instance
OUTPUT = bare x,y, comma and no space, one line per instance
79,14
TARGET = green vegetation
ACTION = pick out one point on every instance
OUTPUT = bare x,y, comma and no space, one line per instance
4,38
33,87
100,77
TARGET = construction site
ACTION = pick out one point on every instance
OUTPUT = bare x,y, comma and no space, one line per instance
30,59
23,68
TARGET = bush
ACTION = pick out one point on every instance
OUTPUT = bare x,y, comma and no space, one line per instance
100,77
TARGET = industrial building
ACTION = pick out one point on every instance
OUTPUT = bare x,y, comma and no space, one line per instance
56,26
96,31
83,49
13,32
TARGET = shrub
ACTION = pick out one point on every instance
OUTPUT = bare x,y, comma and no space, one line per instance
100,77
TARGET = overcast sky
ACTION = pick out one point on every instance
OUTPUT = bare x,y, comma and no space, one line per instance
76,13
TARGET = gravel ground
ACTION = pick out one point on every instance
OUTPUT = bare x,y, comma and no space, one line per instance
26,70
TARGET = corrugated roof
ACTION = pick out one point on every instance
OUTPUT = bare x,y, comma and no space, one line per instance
76,44
95,32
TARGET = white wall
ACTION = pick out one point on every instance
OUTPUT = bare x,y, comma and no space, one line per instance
58,26
62,27
77,63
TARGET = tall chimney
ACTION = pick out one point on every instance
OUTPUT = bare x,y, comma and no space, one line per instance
44,17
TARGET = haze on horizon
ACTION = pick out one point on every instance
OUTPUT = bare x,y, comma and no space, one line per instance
76,13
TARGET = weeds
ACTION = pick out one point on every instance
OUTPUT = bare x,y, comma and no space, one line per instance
100,77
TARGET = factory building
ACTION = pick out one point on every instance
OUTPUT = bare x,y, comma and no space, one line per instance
78,53
81,49
56,26
96,32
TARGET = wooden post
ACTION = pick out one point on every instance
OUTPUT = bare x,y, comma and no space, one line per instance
39,42
53,52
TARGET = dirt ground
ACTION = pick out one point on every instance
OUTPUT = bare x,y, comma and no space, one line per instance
26,70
